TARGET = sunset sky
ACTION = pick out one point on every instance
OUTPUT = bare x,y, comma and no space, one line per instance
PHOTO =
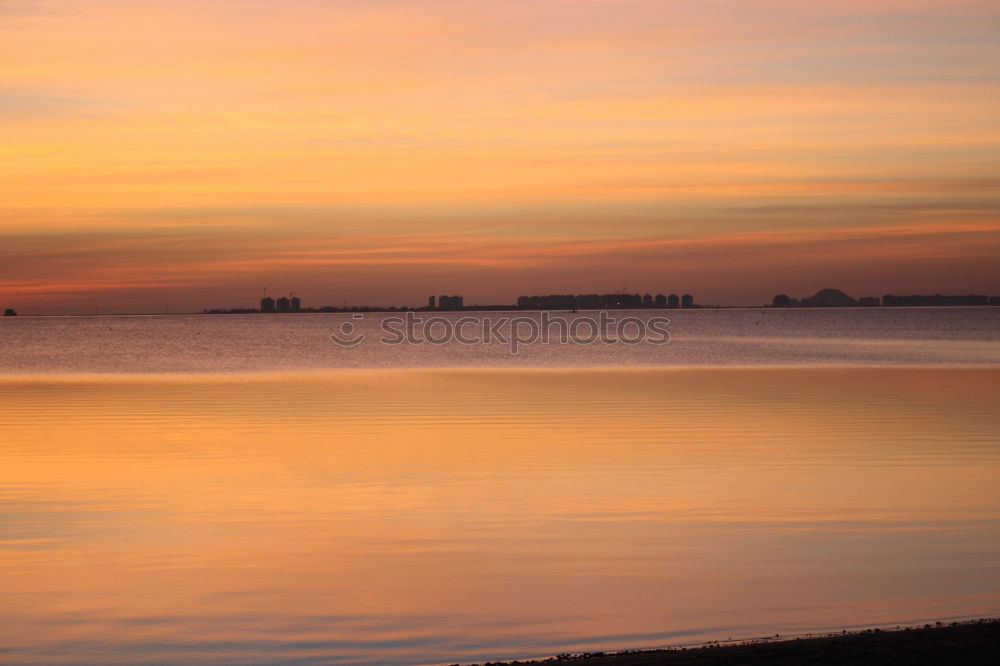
189,154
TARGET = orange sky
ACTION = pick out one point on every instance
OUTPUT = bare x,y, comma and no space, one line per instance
189,154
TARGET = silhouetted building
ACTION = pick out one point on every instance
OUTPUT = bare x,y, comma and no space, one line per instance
296,304
673,301
994,300
868,301
937,300
267,304
660,301
451,303
687,301
583,301
647,301
628,300
283,305
431,302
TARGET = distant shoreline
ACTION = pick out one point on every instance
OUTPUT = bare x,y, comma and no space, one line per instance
511,308
970,643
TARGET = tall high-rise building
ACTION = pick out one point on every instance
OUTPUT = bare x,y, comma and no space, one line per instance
283,305
296,304
267,304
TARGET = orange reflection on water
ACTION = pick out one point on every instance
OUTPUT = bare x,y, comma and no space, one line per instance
428,516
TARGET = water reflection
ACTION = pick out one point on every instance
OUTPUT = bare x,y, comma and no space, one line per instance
426,516
253,343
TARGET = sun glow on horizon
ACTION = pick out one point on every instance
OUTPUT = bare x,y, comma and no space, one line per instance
188,155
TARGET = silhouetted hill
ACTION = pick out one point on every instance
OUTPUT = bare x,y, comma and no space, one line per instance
830,298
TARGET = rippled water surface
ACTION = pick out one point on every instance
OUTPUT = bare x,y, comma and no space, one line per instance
160,503
253,343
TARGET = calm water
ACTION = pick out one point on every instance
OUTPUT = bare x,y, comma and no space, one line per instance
217,490
254,343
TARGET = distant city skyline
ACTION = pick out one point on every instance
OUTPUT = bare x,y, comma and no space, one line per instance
621,299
